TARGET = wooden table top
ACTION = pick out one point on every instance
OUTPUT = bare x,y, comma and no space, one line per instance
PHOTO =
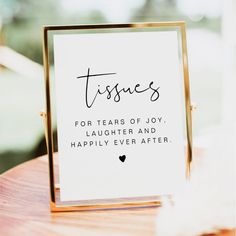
24,210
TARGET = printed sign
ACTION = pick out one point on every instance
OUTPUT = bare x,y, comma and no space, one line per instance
120,114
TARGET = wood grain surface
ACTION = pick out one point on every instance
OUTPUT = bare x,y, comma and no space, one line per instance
24,210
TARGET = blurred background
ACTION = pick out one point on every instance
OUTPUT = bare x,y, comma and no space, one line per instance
211,36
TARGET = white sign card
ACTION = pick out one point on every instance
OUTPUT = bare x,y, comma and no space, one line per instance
120,114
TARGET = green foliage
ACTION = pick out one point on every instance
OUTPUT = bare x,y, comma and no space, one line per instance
10,159
22,28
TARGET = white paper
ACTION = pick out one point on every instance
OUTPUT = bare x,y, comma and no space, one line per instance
93,166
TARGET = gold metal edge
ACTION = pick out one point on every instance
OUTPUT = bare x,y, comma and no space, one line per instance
49,139
112,206
111,25
187,101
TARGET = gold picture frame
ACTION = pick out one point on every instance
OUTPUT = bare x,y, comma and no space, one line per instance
55,204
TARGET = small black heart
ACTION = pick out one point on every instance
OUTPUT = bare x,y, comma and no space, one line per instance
122,158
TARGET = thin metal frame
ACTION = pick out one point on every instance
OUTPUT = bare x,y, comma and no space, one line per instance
47,115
